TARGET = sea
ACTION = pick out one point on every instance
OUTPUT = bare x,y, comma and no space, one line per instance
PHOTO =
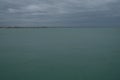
60,54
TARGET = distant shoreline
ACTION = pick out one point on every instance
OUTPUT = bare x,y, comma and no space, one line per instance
38,27
27,27
58,27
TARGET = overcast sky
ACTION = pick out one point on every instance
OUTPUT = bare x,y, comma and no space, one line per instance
59,12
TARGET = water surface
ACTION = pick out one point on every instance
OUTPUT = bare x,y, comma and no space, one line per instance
60,54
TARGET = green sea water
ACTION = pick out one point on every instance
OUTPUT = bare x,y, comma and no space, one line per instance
60,54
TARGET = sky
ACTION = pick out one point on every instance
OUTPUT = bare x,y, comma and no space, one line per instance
60,13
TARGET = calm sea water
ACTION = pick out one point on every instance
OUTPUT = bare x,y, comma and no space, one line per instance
60,54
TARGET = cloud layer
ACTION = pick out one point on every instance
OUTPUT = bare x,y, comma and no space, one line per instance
59,12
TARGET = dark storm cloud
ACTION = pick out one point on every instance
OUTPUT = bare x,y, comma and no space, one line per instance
59,12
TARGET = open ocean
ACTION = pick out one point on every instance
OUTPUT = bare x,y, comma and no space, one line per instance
60,54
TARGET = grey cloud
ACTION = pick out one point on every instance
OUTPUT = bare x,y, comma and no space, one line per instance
59,12
60,6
